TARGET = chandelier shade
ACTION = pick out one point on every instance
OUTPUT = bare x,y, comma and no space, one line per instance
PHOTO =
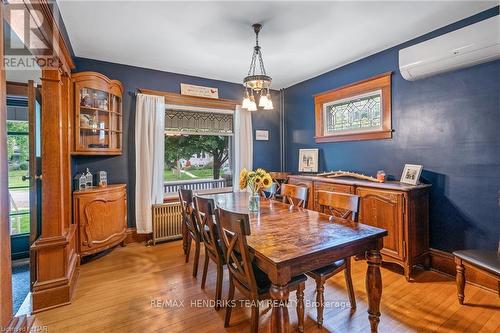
257,82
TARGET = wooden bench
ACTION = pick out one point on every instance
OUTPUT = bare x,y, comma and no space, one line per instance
486,261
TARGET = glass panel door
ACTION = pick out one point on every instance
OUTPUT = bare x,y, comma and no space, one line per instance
95,119
18,162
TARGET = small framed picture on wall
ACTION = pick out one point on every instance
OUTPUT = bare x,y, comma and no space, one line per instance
308,160
411,174
261,135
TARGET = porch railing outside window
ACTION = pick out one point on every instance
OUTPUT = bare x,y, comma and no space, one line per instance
171,188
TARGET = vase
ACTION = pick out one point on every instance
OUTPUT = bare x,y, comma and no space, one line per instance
254,203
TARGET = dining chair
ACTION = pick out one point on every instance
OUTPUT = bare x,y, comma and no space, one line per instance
486,261
270,193
294,195
205,209
189,221
250,280
279,178
331,203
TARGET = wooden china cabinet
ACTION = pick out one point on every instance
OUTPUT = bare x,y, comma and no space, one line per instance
100,213
97,114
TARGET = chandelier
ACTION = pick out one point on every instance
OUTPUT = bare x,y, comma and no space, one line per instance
257,83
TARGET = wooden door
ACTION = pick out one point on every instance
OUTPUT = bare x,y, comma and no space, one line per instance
34,171
384,209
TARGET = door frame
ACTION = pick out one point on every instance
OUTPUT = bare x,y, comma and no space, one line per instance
6,314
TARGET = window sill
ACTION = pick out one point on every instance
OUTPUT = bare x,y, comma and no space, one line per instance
355,136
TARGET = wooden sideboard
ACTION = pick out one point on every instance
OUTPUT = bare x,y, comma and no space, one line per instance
101,218
401,209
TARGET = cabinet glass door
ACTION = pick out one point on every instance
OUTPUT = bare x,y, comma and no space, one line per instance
95,119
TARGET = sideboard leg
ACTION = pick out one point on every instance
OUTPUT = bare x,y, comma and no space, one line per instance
460,280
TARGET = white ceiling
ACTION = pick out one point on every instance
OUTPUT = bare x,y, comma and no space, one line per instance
214,39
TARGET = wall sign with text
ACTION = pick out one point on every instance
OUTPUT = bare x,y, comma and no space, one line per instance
199,91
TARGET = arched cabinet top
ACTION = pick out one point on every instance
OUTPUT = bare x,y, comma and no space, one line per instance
98,81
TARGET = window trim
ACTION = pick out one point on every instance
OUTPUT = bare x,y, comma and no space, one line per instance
380,82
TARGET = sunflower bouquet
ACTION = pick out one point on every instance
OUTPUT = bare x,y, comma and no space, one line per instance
255,180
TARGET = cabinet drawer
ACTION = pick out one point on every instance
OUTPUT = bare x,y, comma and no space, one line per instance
333,187
384,209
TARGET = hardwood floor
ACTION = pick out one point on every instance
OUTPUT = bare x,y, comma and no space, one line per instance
115,293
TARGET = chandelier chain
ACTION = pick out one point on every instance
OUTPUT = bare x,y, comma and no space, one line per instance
262,69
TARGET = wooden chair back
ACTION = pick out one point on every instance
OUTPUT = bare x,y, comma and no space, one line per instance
234,229
335,203
205,210
188,212
294,195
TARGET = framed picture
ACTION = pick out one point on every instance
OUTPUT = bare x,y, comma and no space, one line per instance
411,174
261,135
308,160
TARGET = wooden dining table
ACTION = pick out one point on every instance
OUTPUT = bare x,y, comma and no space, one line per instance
287,241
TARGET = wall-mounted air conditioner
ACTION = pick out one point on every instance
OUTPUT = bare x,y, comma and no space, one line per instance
465,47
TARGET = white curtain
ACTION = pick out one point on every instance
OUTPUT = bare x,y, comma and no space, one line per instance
149,158
243,143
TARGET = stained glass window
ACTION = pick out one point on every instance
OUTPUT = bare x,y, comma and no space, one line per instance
354,114
194,122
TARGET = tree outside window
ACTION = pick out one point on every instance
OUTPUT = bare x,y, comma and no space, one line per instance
197,157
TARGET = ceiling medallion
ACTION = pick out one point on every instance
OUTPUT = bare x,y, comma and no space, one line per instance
257,83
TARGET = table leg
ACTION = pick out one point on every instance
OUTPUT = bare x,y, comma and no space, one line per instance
280,322
373,287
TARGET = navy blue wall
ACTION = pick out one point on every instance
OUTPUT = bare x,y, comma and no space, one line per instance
121,169
449,123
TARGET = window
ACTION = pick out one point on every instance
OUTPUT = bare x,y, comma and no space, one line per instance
360,111
363,112
198,149
18,157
